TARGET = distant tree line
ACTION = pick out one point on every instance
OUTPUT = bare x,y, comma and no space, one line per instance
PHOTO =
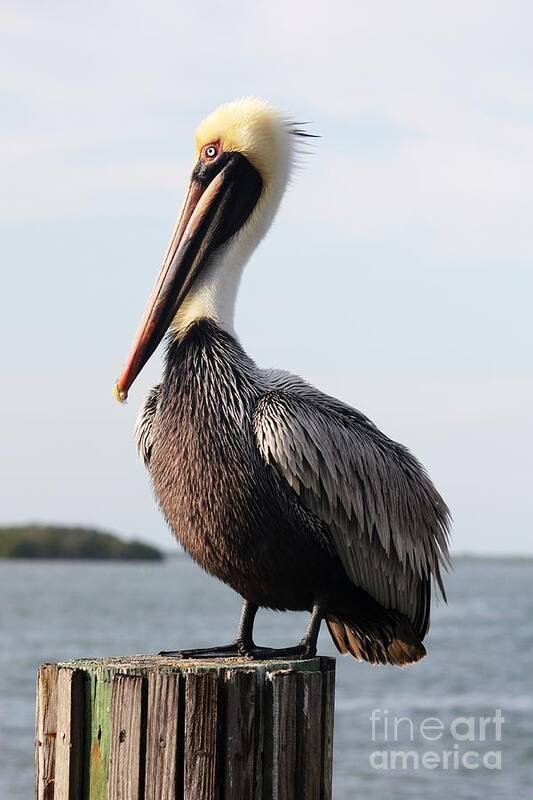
50,541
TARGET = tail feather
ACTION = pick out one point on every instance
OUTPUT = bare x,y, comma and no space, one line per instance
393,641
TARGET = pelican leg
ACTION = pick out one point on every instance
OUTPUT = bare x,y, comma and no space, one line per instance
244,646
305,649
240,647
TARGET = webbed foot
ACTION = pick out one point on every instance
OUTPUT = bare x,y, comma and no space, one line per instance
302,650
221,651
244,650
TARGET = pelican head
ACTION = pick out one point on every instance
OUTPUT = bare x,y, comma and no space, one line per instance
244,155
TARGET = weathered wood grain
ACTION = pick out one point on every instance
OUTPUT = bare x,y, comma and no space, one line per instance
328,711
200,745
162,768
155,728
98,732
239,733
45,731
279,757
126,756
69,739
309,736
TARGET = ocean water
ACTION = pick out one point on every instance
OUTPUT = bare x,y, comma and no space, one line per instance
480,665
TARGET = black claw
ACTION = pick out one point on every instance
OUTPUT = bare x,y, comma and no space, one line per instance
224,651
244,650
256,653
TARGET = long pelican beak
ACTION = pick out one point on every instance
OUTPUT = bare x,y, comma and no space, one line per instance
220,198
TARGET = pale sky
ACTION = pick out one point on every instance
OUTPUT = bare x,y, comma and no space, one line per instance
397,276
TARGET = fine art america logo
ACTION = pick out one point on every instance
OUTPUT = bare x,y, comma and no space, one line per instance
460,743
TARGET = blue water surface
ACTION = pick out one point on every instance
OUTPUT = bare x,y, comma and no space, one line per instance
479,665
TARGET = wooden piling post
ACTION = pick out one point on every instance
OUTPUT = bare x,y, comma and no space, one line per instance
154,728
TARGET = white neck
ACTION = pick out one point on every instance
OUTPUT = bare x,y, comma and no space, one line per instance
214,293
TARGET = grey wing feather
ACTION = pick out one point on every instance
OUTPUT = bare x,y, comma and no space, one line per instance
143,426
387,520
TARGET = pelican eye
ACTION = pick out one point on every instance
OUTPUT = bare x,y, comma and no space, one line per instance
210,151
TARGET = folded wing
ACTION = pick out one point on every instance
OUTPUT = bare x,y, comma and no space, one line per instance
388,522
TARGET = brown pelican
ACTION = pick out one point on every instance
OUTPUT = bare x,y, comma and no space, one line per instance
292,498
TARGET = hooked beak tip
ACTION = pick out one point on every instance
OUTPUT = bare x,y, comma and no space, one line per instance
119,395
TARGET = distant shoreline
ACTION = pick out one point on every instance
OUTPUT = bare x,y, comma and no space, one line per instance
55,542
492,557
66,543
